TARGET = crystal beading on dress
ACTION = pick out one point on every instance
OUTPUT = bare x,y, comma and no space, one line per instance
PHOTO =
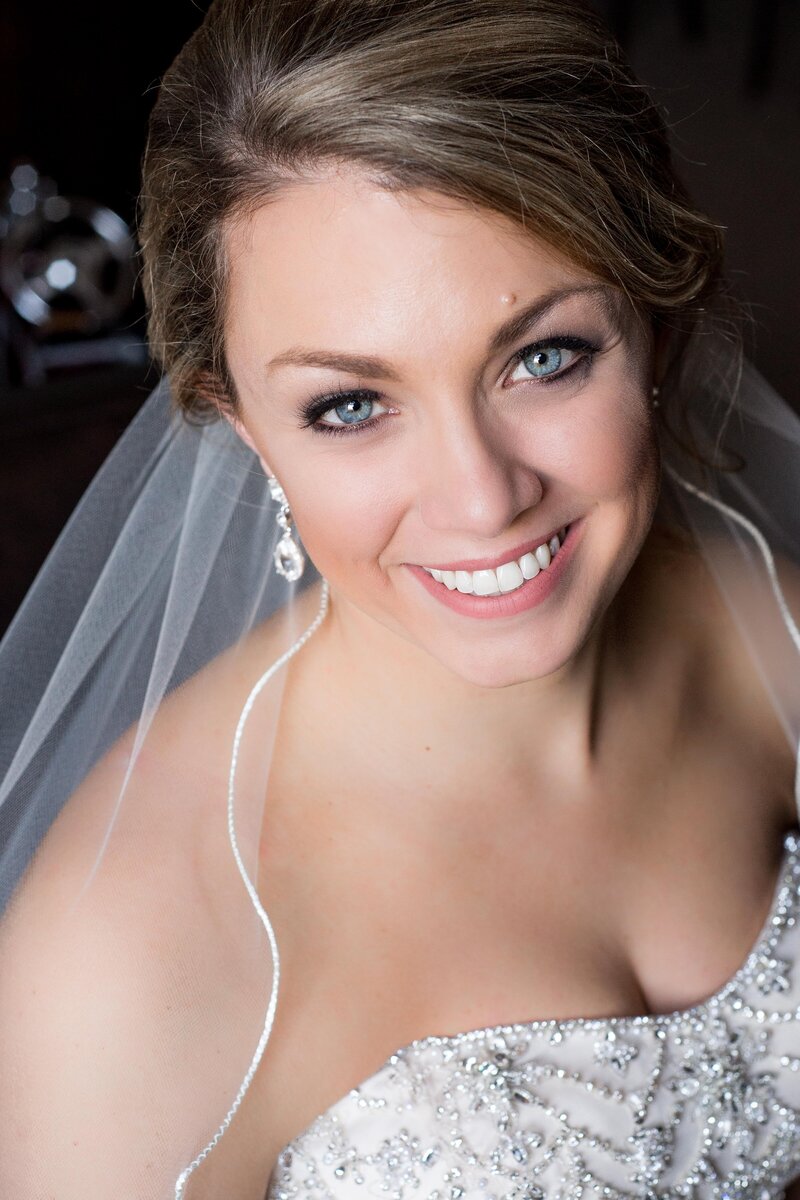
701,1102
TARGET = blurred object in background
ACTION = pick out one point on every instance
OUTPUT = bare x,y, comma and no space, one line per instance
726,75
76,88
764,25
67,275
52,440
73,368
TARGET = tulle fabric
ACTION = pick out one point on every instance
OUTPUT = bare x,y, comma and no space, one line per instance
162,582
164,572
165,563
746,522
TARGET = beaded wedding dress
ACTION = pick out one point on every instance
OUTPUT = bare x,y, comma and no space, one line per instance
703,1102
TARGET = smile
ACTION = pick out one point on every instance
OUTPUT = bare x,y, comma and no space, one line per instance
504,589
507,576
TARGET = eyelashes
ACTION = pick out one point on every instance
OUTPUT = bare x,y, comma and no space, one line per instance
312,412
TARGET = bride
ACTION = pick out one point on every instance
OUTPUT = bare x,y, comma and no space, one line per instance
504,731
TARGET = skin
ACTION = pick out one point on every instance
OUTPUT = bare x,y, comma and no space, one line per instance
574,811
472,454
602,732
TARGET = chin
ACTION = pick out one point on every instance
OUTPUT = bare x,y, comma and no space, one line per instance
524,658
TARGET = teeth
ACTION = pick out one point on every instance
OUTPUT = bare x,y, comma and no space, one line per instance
529,565
543,556
484,583
505,578
509,576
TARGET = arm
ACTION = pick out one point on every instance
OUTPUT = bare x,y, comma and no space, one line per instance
112,1065
70,1099
78,999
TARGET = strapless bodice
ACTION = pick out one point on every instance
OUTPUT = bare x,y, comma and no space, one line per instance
700,1103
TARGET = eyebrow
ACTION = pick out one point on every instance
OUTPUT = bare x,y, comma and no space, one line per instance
509,331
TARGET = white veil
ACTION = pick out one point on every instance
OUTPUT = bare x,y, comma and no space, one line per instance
746,521
165,567
165,563
165,571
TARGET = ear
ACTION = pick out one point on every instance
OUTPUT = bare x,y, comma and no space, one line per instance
209,390
237,425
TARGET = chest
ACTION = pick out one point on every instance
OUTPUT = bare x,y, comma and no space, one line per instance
415,902
394,930
703,1101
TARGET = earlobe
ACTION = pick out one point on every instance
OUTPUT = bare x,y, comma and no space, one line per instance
239,428
248,442
207,388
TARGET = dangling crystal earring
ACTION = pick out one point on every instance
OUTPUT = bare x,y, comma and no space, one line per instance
288,557
655,390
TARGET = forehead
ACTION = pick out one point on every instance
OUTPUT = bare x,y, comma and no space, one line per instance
339,252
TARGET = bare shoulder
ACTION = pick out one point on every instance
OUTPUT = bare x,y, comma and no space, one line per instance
117,986
181,758
81,994
690,600
680,572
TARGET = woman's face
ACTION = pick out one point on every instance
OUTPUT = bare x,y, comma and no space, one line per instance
434,389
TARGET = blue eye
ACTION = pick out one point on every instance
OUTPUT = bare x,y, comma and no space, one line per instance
354,410
543,362
552,360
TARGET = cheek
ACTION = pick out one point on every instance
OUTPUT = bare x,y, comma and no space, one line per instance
346,514
617,469
603,451
348,505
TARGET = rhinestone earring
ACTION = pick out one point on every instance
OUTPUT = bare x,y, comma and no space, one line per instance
654,391
288,557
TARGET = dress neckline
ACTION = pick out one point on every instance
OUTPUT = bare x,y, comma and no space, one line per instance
562,1025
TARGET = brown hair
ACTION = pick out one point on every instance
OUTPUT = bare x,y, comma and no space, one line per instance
524,107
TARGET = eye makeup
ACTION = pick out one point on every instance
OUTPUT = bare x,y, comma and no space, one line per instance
311,411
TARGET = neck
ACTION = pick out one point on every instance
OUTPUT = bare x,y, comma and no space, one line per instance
397,701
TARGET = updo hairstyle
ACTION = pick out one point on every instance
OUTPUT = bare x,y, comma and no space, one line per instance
524,107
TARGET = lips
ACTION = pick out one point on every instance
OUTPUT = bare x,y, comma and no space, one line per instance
505,578
528,595
497,560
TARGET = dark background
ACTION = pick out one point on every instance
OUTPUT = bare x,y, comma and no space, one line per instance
77,83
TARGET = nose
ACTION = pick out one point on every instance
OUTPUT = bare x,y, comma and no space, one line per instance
469,478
